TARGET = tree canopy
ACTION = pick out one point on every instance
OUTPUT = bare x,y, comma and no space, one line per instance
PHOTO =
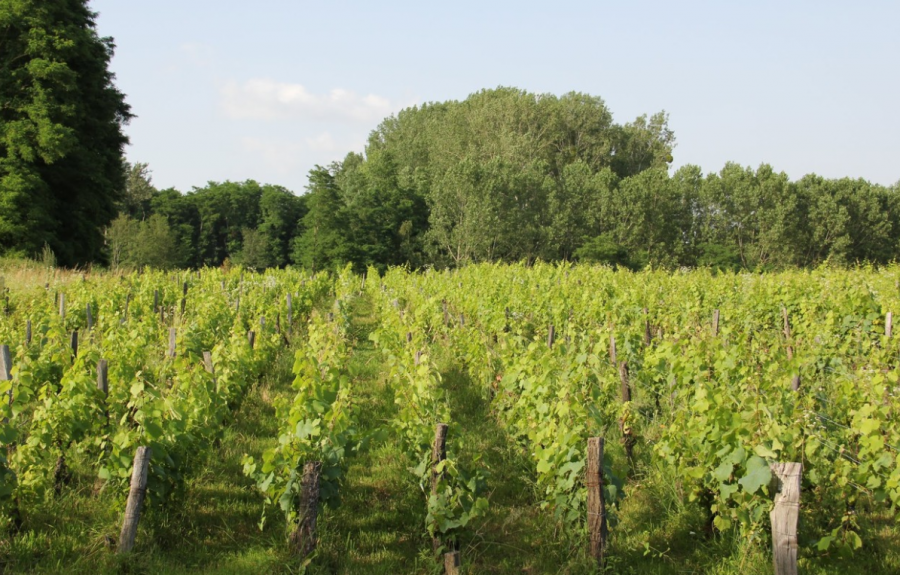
61,139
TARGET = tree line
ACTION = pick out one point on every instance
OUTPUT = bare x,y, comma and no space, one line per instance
511,176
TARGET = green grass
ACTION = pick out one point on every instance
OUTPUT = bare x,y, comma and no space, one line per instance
379,527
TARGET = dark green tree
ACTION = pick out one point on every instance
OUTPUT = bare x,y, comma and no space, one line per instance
61,139
324,241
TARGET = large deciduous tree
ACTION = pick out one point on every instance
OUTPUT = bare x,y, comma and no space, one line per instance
61,139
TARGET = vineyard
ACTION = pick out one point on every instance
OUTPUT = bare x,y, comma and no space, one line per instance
490,419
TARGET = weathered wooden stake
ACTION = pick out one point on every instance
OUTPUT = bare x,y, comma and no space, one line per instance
787,333
28,332
408,337
715,323
74,343
627,438
551,336
183,304
127,302
596,504
784,517
289,314
438,454
612,350
208,363
623,379
172,337
6,368
647,335
136,495
155,301
451,563
418,356
251,338
889,324
103,384
304,538
103,376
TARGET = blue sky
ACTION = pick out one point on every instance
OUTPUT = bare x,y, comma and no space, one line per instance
264,90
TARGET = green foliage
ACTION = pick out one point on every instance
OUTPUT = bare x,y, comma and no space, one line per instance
134,244
61,137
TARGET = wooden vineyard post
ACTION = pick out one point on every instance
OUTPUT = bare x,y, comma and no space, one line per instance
208,363
28,332
596,504
103,383
418,359
409,337
551,336
127,303
889,324
251,338
103,376
155,301
303,539
795,379
62,307
784,517
289,313
627,439
136,495
438,455
172,338
89,316
451,563
715,328
647,336
183,305
74,343
787,333
6,369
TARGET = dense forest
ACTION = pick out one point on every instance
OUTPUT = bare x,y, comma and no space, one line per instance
507,175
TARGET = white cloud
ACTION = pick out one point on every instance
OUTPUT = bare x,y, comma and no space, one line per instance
265,99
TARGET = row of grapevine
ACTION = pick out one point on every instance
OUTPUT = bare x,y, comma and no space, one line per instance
454,489
162,362
716,377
